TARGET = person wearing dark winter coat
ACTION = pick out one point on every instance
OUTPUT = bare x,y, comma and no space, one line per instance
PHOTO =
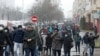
18,41
4,39
30,39
92,43
77,39
68,43
95,30
48,42
9,46
85,40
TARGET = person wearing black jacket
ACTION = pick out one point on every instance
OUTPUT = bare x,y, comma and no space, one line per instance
67,41
9,46
85,41
95,30
92,43
48,42
3,39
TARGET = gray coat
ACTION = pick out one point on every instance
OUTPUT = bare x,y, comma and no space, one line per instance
56,43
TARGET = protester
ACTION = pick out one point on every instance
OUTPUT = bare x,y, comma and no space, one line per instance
68,43
9,45
40,45
30,38
56,42
77,42
95,30
48,43
92,43
85,40
44,35
4,39
50,29
18,41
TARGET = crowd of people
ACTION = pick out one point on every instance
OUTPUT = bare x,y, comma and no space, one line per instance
49,40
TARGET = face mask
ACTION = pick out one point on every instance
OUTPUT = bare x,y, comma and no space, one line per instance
20,28
6,30
1,28
66,35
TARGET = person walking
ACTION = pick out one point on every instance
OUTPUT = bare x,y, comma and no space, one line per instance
68,43
4,39
77,42
9,45
95,30
56,42
92,43
43,36
30,39
85,41
48,43
18,41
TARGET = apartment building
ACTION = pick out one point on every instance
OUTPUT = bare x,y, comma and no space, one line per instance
83,8
96,13
90,9
75,11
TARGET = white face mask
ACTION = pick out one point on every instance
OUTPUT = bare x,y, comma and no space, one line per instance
66,35
6,30
1,28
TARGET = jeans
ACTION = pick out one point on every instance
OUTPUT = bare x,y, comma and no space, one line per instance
49,50
91,51
36,51
28,51
1,51
86,48
7,50
67,52
57,51
18,49
77,46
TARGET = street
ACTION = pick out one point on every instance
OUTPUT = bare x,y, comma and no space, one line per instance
28,27
73,52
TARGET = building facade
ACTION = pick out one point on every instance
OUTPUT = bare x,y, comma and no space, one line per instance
96,13
90,9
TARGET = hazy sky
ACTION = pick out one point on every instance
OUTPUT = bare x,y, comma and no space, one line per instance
65,4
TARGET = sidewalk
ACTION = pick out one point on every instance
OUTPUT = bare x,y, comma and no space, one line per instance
97,52
73,52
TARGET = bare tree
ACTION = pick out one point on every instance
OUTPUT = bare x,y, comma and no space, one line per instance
46,11
10,14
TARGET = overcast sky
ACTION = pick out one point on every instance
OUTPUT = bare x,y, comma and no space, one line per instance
65,4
